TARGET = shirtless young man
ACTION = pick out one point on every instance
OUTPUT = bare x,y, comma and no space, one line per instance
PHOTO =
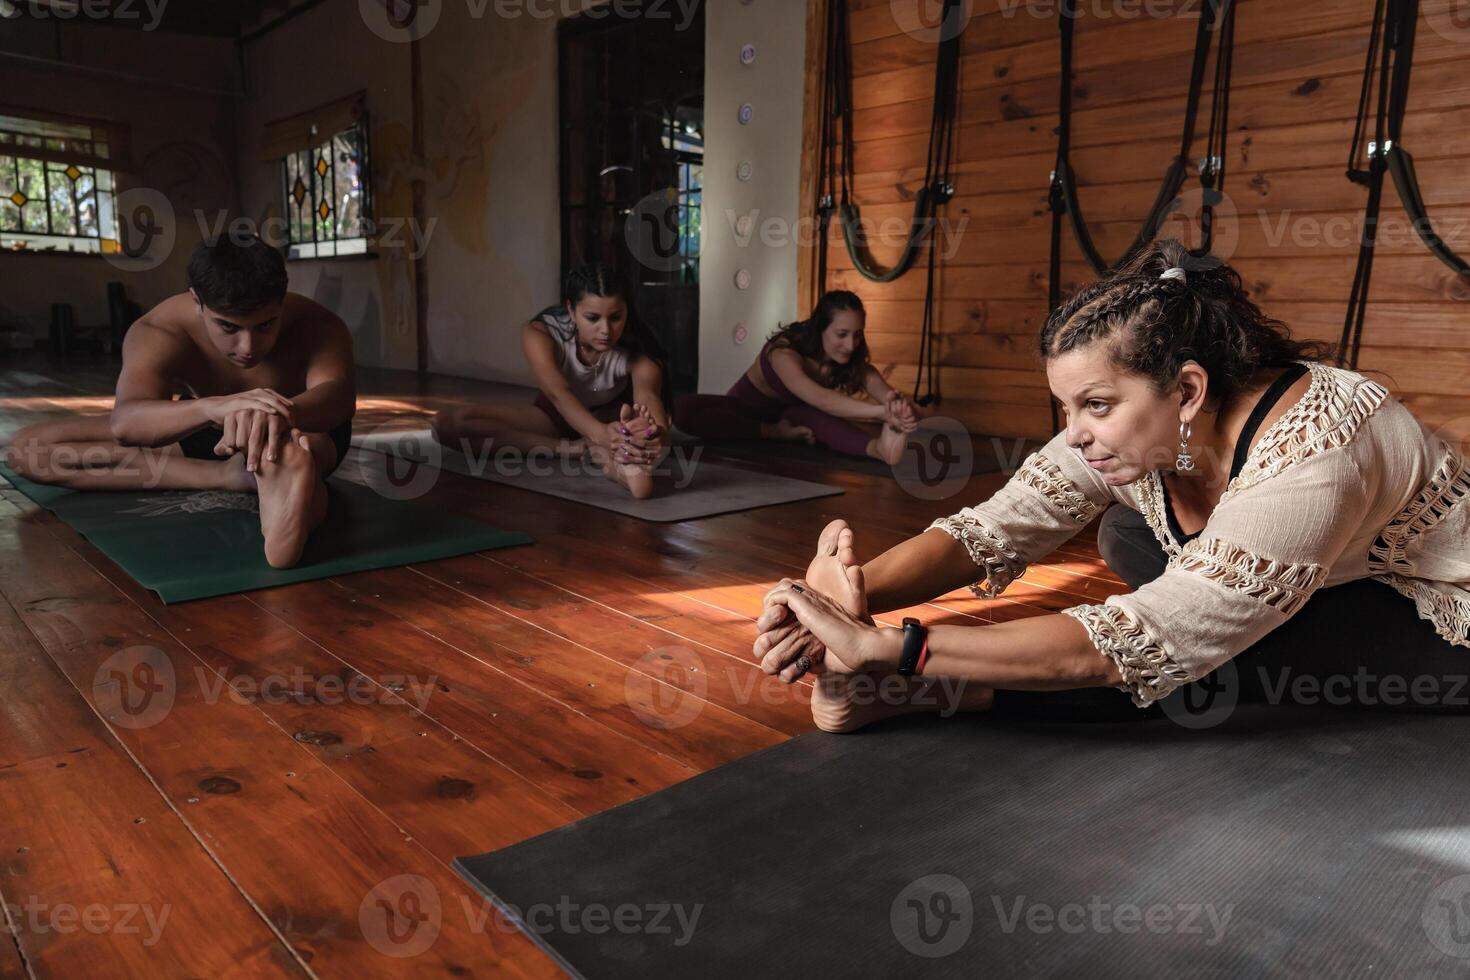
266,406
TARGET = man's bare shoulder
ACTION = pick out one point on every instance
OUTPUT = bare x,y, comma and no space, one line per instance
163,328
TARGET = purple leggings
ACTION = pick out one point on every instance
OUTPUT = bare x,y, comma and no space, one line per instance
740,414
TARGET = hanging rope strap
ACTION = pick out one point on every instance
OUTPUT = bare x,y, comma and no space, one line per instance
1391,61
1212,168
836,159
938,186
1064,179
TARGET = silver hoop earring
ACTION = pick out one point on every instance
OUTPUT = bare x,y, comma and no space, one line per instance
1185,462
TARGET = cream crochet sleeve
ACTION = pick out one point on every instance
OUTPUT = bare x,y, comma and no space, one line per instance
1262,555
1050,498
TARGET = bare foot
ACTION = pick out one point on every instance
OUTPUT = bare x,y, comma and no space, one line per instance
234,475
843,703
829,571
637,479
889,445
293,501
787,431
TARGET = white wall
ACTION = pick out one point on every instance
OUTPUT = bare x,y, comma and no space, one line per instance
490,97
328,53
775,85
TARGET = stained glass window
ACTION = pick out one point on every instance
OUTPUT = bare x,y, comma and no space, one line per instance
55,195
327,196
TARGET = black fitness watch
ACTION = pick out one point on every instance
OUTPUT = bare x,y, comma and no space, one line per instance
914,637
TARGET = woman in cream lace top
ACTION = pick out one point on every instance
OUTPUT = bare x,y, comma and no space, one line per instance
1328,530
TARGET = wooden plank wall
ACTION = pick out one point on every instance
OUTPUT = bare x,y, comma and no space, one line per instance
1298,71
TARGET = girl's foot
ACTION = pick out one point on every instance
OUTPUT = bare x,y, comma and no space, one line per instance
787,431
889,445
638,479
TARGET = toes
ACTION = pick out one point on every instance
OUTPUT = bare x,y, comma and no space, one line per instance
827,543
845,553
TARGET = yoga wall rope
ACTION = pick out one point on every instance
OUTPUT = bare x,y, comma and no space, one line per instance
835,162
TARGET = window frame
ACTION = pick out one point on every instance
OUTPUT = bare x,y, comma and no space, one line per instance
59,144
358,246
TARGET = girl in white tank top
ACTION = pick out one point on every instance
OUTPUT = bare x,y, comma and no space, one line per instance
600,378
594,384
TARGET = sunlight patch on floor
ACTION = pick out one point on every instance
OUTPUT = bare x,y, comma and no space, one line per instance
51,403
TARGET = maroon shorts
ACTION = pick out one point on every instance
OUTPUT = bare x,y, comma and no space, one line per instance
602,413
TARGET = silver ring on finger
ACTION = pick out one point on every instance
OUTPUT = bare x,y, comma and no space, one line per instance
803,664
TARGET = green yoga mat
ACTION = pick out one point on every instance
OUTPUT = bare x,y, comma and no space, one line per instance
185,545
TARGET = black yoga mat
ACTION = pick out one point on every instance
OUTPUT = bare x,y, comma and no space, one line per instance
1284,841
185,545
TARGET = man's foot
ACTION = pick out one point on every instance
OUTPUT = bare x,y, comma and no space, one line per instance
787,431
234,476
293,501
889,445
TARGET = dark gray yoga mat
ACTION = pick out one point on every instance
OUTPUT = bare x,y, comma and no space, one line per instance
692,488
1284,842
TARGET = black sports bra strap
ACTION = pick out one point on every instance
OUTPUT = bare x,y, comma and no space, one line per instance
1264,406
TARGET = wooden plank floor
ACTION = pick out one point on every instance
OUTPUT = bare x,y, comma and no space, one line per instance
330,747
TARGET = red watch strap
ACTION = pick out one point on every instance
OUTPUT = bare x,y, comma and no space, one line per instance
923,656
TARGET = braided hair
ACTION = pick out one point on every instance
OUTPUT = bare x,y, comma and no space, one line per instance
1152,325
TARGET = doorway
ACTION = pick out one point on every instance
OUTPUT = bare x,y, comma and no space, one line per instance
632,163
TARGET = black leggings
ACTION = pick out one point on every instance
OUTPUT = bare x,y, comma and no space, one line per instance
1360,644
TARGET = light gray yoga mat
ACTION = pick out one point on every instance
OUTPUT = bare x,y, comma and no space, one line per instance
689,486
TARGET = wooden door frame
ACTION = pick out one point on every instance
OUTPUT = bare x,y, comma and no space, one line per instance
807,253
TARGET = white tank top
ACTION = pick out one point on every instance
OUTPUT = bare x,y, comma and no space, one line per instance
593,386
